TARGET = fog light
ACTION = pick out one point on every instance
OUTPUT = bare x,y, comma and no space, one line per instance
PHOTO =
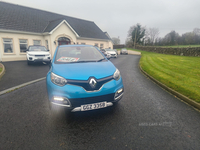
119,91
119,94
58,99
61,101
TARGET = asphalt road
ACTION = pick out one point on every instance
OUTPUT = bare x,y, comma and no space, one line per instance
18,72
146,118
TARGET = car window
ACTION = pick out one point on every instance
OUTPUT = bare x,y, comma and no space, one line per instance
37,48
77,54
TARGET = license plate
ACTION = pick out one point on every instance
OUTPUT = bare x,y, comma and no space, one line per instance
93,106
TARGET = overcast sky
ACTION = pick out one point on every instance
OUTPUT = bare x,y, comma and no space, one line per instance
116,16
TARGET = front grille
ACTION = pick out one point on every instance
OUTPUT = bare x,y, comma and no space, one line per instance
85,83
39,55
89,100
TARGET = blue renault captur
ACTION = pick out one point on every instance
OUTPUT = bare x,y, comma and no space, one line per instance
82,79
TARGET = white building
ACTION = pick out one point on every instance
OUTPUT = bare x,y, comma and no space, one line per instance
23,26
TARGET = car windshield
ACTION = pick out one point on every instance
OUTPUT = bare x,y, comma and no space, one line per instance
75,54
123,49
109,49
37,48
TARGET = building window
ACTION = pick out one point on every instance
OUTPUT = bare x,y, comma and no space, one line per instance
36,42
101,46
47,44
96,44
83,43
23,45
8,45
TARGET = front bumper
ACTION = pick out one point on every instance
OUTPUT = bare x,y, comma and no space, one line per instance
113,55
124,52
42,60
75,96
37,59
79,108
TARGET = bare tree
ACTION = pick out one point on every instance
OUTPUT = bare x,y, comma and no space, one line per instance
196,31
152,35
173,38
116,41
130,32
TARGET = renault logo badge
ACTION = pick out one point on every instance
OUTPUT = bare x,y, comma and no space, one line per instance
93,83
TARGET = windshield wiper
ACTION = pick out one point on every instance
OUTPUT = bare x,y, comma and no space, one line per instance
101,59
83,61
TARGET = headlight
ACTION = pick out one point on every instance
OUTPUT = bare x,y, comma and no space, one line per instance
116,75
47,55
31,55
58,80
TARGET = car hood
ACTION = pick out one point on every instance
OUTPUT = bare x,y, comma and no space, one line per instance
83,71
111,52
38,52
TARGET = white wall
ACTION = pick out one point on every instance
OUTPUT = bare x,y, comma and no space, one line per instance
106,44
16,55
61,31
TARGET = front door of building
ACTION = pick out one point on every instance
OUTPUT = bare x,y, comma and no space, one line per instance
63,41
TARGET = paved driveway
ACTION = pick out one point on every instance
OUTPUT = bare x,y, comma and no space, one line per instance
18,72
147,118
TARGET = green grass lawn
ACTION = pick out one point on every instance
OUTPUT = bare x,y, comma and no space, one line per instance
180,73
180,46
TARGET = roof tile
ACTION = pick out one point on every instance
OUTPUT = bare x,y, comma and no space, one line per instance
20,18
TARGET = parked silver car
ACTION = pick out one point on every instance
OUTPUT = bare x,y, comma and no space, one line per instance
124,51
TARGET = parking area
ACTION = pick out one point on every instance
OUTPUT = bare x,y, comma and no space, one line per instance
18,72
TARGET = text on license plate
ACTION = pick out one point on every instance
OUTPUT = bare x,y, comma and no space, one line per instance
93,106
